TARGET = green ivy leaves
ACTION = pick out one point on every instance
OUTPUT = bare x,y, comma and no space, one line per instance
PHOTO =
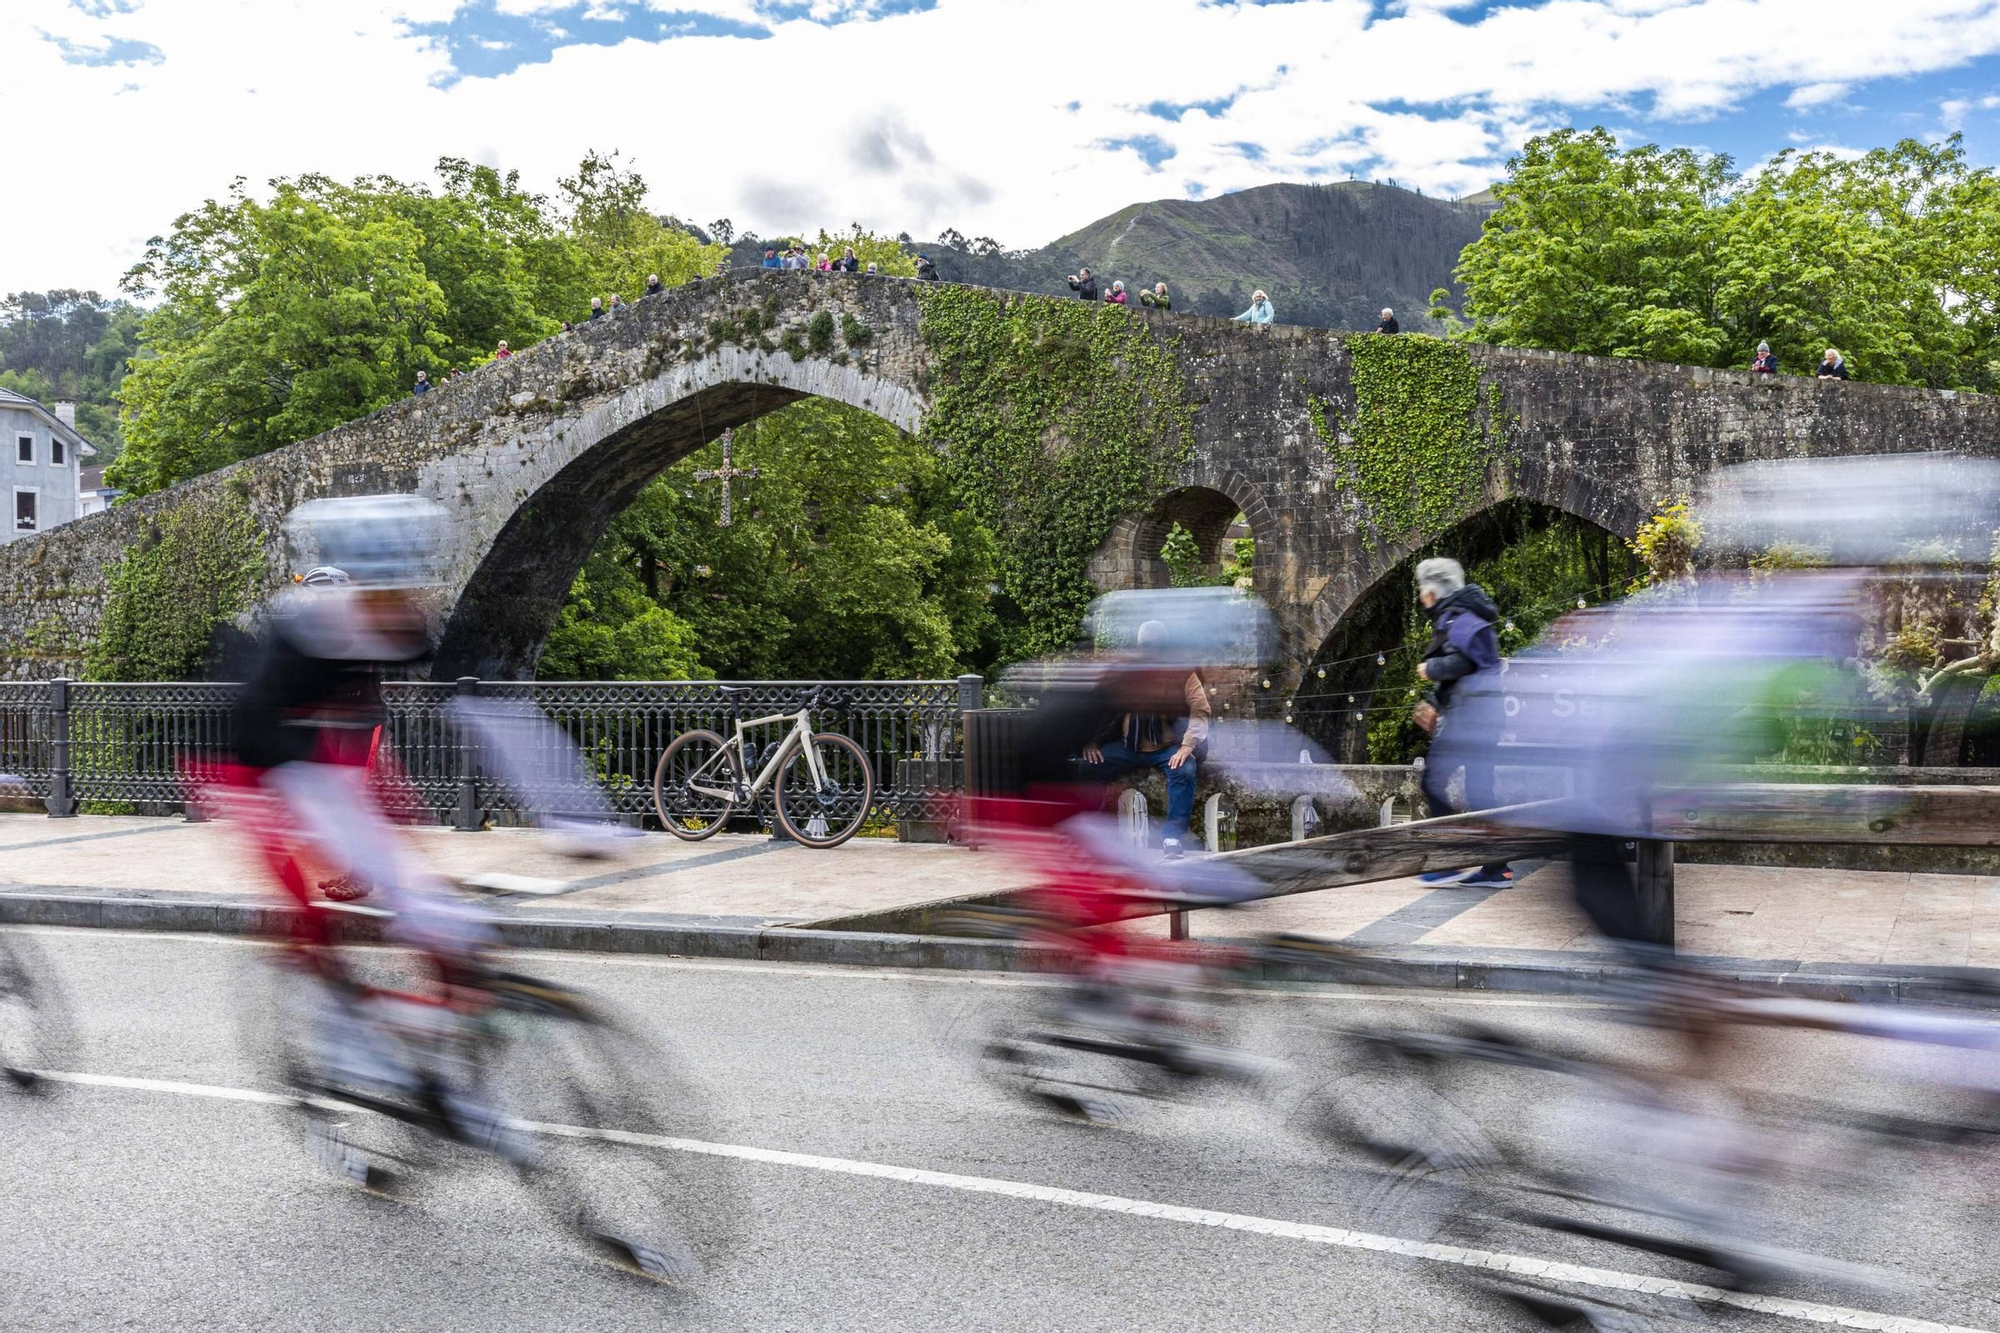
192,571
1056,418
1419,456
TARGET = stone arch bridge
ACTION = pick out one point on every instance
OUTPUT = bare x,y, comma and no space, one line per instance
532,457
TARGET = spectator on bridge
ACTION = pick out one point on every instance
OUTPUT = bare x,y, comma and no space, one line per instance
1083,284
926,270
1172,741
847,263
1157,298
1464,646
617,302
872,270
1260,311
771,259
825,264
423,385
653,284
501,353
1388,324
597,307
1116,296
1765,362
1833,367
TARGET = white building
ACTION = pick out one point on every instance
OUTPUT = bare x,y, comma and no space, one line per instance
40,458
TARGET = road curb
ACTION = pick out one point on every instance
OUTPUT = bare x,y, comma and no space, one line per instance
1491,973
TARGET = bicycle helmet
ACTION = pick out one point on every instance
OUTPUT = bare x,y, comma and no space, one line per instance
374,541
323,576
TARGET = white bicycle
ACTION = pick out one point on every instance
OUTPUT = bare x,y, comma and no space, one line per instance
823,788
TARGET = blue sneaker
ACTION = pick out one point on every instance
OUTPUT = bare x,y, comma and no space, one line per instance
1448,876
1481,879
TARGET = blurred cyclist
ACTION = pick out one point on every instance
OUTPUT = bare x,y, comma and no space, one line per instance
313,700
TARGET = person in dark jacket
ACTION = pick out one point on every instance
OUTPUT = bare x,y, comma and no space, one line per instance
847,263
1463,645
653,284
1083,284
1388,324
1765,362
423,383
1834,367
926,270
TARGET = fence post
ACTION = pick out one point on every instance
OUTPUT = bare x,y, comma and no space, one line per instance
466,819
971,694
61,804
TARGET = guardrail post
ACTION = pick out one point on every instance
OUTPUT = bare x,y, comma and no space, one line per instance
466,818
61,802
1655,876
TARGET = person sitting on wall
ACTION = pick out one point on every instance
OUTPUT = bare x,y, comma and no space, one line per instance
1170,740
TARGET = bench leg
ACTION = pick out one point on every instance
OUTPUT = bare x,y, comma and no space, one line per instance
1656,891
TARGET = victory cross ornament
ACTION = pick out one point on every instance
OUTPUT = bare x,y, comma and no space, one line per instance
725,474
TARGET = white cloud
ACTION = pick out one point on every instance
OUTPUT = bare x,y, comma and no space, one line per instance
1809,95
1953,111
958,116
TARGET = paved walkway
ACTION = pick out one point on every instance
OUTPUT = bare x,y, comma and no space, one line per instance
1817,916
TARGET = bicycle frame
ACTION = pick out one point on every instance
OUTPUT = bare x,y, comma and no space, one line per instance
800,738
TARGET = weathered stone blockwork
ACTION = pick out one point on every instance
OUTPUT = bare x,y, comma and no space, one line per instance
534,456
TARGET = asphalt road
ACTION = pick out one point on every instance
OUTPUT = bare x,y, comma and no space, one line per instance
155,1200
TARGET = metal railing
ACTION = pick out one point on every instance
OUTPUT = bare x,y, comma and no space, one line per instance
80,746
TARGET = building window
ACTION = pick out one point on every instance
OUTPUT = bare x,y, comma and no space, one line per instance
24,448
27,509
58,452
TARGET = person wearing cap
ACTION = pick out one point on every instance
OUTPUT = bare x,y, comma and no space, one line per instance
1167,734
1765,362
501,353
1464,647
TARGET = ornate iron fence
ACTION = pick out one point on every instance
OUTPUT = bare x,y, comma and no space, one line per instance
131,746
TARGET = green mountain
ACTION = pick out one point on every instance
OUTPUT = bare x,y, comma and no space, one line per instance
1328,255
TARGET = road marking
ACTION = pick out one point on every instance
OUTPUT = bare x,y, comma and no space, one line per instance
1518,1265
161,827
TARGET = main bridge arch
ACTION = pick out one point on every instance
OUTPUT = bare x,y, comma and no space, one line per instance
531,457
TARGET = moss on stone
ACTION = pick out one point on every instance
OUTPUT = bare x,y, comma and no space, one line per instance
194,568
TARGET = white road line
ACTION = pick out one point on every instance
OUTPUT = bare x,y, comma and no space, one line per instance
1520,1265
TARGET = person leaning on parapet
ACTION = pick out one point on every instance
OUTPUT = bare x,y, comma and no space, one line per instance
597,307
423,385
1833,367
1157,299
1260,311
926,270
1463,646
1116,296
1170,739
1388,324
847,263
653,284
1765,362
771,259
1083,284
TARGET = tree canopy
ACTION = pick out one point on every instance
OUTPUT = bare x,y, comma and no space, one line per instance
1674,255
282,317
71,345
848,559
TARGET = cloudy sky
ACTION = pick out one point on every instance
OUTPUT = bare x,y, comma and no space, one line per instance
1018,119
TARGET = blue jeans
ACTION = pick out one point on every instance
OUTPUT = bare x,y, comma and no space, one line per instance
1120,759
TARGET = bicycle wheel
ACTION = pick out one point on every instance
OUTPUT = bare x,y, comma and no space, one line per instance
828,812
34,1017
625,1152
689,783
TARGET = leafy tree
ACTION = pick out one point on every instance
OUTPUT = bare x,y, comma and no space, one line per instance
847,559
73,345
284,317
1672,255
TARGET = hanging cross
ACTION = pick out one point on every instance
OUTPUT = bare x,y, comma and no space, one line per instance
725,474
